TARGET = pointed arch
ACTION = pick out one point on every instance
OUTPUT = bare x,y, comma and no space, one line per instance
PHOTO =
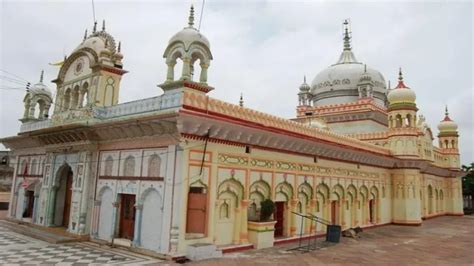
154,165
129,166
285,189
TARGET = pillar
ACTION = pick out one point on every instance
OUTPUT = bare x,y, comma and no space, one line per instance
186,75
292,217
138,225
35,208
203,77
235,239
243,221
95,218
115,212
51,205
342,211
170,73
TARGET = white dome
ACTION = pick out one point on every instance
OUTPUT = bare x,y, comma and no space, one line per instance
339,82
188,36
40,88
402,93
447,125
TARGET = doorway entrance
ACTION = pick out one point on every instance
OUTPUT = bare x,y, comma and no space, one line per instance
196,214
371,211
127,216
279,216
62,203
30,200
67,200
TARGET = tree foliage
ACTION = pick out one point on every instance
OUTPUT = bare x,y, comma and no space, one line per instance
267,209
468,180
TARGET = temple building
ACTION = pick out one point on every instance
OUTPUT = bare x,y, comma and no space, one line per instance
181,168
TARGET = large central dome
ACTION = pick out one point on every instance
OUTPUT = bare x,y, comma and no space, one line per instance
341,82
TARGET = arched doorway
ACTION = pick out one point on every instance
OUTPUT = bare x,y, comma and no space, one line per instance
430,199
63,194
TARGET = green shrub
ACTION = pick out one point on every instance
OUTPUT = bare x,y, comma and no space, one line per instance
267,207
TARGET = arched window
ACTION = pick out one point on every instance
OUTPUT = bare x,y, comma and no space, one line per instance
299,207
129,166
84,95
408,121
224,211
74,98
398,120
66,99
109,164
453,144
446,144
154,165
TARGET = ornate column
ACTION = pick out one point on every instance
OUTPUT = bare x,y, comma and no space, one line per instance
138,224
243,221
203,77
51,204
35,208
343,212
186,75
170,73
115,206
292,217
95,218
235,238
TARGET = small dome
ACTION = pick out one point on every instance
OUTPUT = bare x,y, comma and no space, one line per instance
40,88
304,86
447,125
189,34
402,93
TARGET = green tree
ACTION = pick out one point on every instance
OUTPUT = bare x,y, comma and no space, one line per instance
468,182
266,210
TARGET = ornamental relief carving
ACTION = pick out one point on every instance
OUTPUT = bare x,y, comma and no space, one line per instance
231,159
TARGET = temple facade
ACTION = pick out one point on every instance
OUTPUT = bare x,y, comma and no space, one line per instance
181,168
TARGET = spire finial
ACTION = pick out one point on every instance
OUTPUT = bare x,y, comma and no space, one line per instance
389,85
103,25
365,68
95,27
400,75
41,76
119,46
241,101
304,79
446,110
347,38
85,35
191,16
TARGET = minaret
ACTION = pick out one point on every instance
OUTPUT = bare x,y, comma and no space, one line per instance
448,140
402,120
241,101
304,95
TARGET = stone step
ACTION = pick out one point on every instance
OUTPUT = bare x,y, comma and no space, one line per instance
202,251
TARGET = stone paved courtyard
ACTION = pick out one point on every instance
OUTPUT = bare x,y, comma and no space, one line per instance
17,249
439,241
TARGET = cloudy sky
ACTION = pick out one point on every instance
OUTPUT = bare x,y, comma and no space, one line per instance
261,48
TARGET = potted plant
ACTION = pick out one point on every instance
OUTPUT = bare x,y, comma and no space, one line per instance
261,233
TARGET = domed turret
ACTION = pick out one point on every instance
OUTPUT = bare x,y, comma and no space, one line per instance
304,96
447,126
99,41
401,94
339,82
37,102
189,45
